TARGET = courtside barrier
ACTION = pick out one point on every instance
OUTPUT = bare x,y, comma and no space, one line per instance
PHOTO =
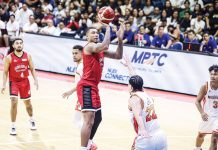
165,70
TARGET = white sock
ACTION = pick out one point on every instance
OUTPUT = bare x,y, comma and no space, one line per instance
89,144
31,119
13,124
198,148
83,148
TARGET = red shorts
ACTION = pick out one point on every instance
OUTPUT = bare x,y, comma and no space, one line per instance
20,87
88,97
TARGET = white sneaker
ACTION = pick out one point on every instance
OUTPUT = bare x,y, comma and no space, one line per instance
32,125
13,131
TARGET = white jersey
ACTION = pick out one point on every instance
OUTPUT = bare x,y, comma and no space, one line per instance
148,114
210,103
79,71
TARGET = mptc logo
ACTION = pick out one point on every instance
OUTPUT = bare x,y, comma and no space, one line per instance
149,58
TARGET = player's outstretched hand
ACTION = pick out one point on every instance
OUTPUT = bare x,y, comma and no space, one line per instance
67,94
3,90
120,32
204,116
36,84
125,61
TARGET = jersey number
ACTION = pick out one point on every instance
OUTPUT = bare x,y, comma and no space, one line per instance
215,104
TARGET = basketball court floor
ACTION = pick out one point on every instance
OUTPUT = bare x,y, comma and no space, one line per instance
177,115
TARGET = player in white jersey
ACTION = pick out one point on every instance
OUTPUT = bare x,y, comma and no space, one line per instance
77,58
143,116
209,111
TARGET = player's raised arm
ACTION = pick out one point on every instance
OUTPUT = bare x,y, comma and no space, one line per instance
92,37
127,63
5,73
119,51
200,97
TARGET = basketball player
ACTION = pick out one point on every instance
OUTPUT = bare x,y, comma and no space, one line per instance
143,116
87,87
209,111
16,65
77,58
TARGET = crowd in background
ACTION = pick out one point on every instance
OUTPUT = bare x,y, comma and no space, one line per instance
167,24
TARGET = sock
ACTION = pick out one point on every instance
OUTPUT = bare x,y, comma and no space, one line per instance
89,144
83,148
13,124
31,119
198,148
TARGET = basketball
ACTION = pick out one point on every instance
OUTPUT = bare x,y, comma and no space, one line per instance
106,14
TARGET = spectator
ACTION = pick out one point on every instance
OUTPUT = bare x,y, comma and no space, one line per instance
25,13
174,20
197,10
85,20
197,24
15,11
32,3
46,6
134,26
155,15
13,27
31,26
49,29
168,8
47,16
176,3
191,37
194,2
149,26
128,35
162,40
127,4
185,22
4,14
38,15
61,29
127,14
185,9
148,8
142,38
174,33
59,13
212,18
4,40
208,45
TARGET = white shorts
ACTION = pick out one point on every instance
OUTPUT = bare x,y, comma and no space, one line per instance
210,126
157,141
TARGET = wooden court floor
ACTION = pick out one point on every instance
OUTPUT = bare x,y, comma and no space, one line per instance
56,131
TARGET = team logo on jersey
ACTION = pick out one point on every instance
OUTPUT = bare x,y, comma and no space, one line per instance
24,59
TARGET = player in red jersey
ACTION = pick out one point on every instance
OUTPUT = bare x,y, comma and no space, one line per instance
16,65
87,87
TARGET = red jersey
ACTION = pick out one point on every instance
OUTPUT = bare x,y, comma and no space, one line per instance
92,68
18,69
